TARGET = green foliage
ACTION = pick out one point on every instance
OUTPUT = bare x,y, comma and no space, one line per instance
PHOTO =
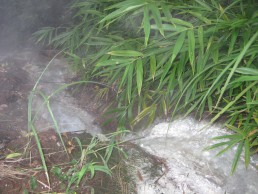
91,160
33,183
83,166
171,57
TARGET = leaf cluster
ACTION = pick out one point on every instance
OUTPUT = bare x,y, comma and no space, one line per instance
170,57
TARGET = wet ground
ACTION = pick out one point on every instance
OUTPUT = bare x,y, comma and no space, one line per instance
19,156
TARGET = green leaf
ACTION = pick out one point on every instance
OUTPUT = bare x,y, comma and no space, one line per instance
247,71
230,145
57,171
170,28
33,183
25,191
139,75
233,40
245,78
109,150
157,18
200,38
180,22
247,152
165,71
209,103
205,5
92,170
13,155
201,17
237,156
130,82
146,111
79,142
126,53
125,76
104,169
153,66
178,45
191,48
146,24
119,12
234,136
82,173
217,145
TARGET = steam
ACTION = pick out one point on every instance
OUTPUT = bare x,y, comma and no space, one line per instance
19,19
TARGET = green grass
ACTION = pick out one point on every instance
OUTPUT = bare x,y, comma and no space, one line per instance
86,164
166,58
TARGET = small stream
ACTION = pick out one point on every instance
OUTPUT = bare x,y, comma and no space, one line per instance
189,169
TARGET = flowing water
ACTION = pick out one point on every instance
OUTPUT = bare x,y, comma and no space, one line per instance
188,168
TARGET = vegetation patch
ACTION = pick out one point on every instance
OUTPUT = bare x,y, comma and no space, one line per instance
169,58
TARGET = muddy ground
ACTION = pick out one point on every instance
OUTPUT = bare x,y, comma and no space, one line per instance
22,171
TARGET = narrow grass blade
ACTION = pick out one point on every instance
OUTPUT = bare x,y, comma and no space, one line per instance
146,25
35,134
237,156
191,48
247,153
139,75
153,66
200,38
233,40
130,82
56,126
126,53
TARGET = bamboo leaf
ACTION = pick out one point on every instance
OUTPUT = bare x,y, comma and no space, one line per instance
234,136
146,24
125,53
201,17
130,82
165,71
119,12
191,48
178,46
230,145
217,145
139,75
205,5
157,18
200,38
247,152
125,76
170,28
177,21
153,66
146,111
237,156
